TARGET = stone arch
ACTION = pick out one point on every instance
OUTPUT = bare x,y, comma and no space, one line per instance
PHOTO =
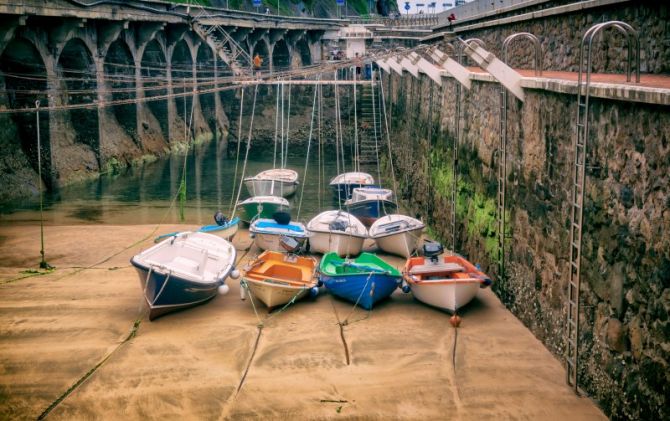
281,56
182,78
154,78
302,52
77,71
205,72
119,67
21,57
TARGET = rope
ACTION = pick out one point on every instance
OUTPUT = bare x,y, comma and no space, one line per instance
309,144
388,139
43,262
274,155
246,155
237,159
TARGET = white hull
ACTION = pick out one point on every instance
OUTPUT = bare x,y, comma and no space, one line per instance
342,244
270,242
403,243
447,296
273,295
270,187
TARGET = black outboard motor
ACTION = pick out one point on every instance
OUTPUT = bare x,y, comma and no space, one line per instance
432,250
282,218
220,218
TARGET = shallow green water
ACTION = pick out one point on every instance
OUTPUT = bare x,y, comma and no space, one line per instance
145,195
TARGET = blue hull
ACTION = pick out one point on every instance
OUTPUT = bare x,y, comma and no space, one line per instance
176,295
370,210
370,291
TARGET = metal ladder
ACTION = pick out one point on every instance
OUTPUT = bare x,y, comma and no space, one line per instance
579,180
502,147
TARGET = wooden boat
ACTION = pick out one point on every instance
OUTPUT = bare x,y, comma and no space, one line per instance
226,230
281,182
370,203
364,280
276,278
397,234
184,270
261,207
343,185
336,231
270,234
446,282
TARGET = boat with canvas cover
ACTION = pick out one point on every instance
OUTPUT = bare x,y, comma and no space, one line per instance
344,184
364,280
261,207
282,182
274,234
370,203
397,234
184,270
277,278
336,231
443,281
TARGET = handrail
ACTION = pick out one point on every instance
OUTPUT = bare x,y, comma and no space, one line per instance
536,43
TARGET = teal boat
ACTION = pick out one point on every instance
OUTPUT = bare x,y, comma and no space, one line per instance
226,230
261,207
364,280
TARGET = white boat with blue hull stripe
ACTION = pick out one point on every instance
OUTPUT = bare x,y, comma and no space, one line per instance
184,270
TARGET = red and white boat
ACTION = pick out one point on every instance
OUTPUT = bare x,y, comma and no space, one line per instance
442,281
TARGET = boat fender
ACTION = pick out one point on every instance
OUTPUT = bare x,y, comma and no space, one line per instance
405,288
234,274
243,291
313,292
223,289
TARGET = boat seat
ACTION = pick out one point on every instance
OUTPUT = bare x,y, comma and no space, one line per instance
437,267
185,264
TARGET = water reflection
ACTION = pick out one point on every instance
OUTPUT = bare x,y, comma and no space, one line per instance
147,194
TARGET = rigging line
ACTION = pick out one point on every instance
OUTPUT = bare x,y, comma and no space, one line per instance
274,156
374,130
337,132
309,144
357,162
320,152
321,137
237,159
246,155
388,138
339,123
281,145
288,126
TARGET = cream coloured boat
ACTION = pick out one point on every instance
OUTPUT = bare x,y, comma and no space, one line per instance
336,231
397,234
281,182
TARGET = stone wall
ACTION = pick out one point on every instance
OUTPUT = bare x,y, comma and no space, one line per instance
561,36
625,292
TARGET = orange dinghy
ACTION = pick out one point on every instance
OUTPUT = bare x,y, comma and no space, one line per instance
446,282
278,278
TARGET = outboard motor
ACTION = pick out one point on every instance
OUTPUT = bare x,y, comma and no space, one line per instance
282,218
220,218
432,250
289,244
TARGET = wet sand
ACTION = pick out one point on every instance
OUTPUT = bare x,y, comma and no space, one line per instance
57,328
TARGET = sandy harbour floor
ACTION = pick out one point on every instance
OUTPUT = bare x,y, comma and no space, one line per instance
56,328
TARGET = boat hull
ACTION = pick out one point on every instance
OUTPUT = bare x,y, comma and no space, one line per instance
343,191
369,211
165,294
402,244
272,242
449,297
342,244
251,211
271,187
273,295
365,289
